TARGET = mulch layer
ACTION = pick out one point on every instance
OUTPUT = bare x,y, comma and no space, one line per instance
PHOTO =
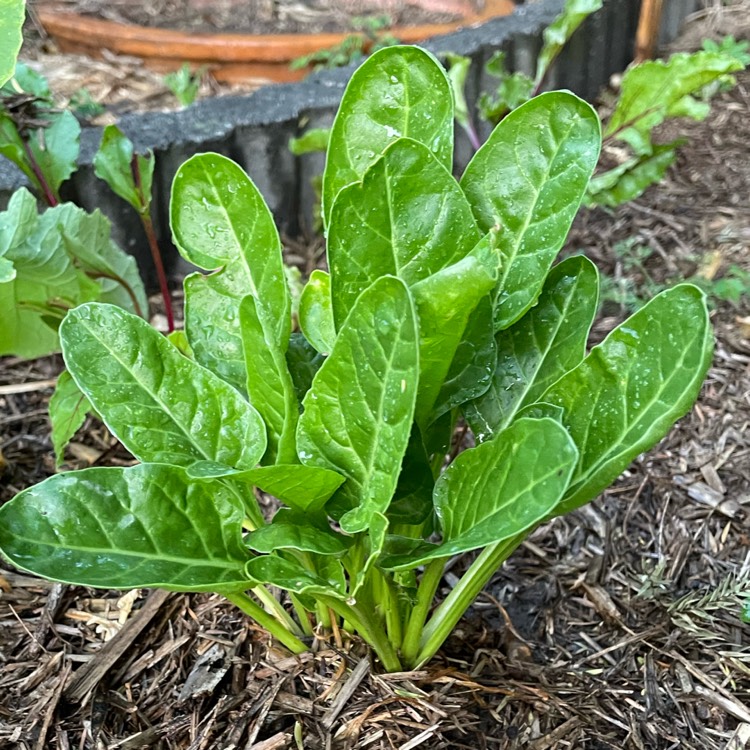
618,626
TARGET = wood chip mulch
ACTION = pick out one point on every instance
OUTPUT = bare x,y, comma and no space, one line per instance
618,626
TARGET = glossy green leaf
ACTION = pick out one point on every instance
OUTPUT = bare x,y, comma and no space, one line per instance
397,92
629,180
657,89
179,340
470,372
528,180
357,415
163,407
560,30
269,384
631,388
445,303
303,362
117,164
498,489
408,218
458,70
412,500
7,271
291,576
11,23
297,536
144,526
540,348
316,313
68,408
304,488
220,221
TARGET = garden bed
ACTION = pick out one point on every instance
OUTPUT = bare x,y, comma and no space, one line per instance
615,627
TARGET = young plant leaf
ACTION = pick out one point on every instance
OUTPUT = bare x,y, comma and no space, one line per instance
306,489
114,162
657,89
408,218
269,384
68,408
55,148
303,362
497,490
557,34
629,180
315,139
528,180
540,348
395,93
297,536
163,407
220,221
631,388
291,576
316,313
11,23
357,415
143,526
445,302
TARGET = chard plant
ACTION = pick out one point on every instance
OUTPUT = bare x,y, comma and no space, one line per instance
442,302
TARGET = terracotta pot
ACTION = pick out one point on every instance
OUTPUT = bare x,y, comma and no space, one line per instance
230,57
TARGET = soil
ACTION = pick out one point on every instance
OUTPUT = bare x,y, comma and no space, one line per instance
617,626
261,16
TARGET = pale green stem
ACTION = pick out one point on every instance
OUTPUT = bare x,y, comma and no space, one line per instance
267,622
393,624
370,631
431,578
302,615
274,607
454,606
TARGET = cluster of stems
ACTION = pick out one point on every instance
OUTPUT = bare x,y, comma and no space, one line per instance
403,629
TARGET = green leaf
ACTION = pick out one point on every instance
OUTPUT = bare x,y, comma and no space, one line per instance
220,221
315,312
357,415
54,272
470,373
655,90
458,70
412,500
12,148
528,180
631,388
269,384
303,362
11,23
445,303
116,164
540,348
163,407
87,239
68,408
7,271
397,92
408,218
55,148
299,537
315,139
291,576
178,338
629,180
556,35
498,489
304,488
144,526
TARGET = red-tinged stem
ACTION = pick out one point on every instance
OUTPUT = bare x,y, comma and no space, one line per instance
153,243
47,192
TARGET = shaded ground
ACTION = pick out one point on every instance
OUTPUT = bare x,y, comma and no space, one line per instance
616,627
